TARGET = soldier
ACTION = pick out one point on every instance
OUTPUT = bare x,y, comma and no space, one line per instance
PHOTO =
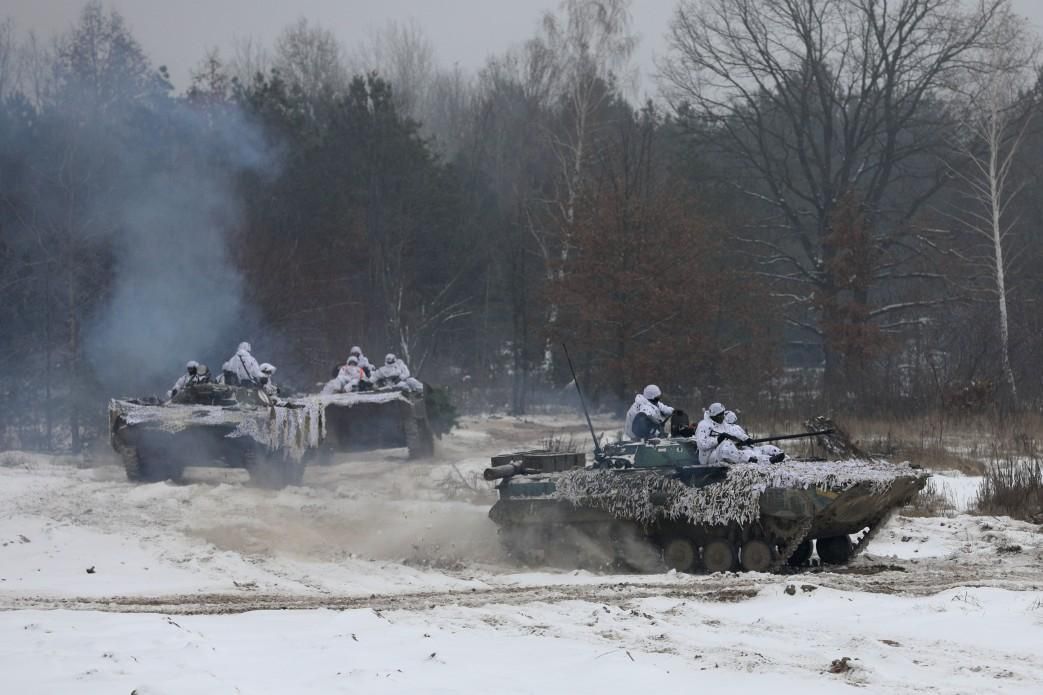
191,369
646,416
363,361
242,368
708,432
738,449
267,385
353,374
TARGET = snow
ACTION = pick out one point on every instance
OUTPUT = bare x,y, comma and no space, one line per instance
383,575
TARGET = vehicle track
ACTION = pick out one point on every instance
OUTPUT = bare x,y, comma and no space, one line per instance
895,578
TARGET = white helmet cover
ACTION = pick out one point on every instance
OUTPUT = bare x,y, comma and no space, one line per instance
389,358
244,346
652,392
730,417
715,409
191,364
267,368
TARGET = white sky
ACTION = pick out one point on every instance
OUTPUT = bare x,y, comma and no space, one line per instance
177,33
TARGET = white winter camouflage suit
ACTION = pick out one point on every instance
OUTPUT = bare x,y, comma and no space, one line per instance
658,413
243,365
397,373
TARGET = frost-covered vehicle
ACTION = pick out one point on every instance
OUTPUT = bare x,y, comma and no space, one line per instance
210,424
383,419
646,504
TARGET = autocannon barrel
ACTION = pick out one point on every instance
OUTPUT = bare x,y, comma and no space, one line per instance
503,471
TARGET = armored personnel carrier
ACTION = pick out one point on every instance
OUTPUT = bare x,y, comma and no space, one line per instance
210,424
650,504
367,420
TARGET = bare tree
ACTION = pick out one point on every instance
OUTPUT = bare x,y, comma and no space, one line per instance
589,46
833,115
583,51
249,59
309,57
998,112
404,56
9,59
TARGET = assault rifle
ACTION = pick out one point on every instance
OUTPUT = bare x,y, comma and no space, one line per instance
773,438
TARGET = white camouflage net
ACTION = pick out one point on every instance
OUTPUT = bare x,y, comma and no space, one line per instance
292,430
629,494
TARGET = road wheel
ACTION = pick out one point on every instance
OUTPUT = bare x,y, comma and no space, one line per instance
719,556
524,543
270,472
680,554
756,556
634,551
801,555
835,550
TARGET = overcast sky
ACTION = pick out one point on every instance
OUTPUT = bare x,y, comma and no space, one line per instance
177,33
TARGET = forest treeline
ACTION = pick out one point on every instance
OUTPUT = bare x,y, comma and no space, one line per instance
826,206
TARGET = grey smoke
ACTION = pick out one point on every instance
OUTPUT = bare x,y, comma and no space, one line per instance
177,295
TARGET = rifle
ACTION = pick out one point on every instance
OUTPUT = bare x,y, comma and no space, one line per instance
776,437
245,369
598,454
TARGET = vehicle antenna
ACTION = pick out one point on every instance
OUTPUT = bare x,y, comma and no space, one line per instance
597,446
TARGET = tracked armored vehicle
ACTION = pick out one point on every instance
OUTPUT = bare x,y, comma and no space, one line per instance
214,425
211,424
373,420
651,504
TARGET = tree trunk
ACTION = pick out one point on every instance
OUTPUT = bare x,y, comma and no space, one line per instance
73,366
1001,276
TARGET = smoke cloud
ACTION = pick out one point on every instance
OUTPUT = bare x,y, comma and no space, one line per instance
176,294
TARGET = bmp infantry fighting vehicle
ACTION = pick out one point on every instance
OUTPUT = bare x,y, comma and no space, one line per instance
645,502
649,503
209,424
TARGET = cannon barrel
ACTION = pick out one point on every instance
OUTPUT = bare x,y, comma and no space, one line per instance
505,470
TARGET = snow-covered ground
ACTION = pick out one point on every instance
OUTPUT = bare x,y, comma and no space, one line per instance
380,575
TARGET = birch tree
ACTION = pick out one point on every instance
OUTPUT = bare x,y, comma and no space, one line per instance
998,114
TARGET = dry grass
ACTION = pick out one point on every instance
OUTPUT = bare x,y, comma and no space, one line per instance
1014,488
559,443
933,500
933,441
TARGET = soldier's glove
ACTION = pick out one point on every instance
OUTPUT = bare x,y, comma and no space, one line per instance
748,441
722,436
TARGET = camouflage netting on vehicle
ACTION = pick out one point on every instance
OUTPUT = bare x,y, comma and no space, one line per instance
292,427
630,494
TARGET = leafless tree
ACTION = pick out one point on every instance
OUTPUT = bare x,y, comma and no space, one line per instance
309,57
9,59
249,59
835,113
589,46
582,51
994,122
403,55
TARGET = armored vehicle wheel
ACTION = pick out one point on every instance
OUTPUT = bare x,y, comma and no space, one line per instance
680,554
143,469
801,555
835,550
756,556
524,543
634,551
719,556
